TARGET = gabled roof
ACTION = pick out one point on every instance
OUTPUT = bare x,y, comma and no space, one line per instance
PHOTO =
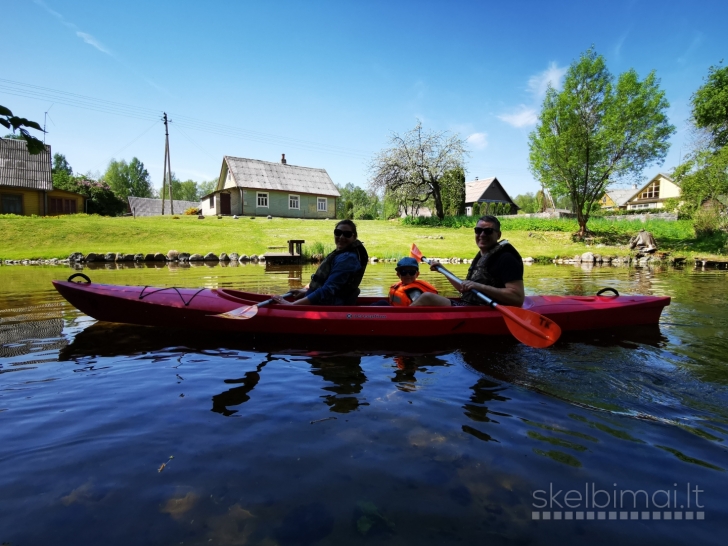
622,197
265,175
488,190
20,169
144,206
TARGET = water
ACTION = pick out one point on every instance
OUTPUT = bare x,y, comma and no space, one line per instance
118,434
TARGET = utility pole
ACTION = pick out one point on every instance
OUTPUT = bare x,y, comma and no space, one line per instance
167,177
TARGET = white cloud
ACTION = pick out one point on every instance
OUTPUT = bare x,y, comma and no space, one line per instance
521,118
479,141
538,83
92,41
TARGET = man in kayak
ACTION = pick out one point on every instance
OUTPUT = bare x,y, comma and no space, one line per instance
336,281
409,288
496,271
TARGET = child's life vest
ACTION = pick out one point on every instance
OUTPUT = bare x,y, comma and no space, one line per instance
402,296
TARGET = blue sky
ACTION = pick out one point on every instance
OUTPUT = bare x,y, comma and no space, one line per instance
327,83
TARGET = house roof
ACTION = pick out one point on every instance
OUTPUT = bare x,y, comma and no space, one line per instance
621,197
20,169
488,190
265,175
144,206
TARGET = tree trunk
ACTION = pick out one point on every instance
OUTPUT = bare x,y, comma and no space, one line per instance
437,196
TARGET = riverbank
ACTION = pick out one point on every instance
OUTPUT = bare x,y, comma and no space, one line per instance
46,238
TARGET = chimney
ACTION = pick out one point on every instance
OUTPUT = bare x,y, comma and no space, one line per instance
476,178
634,186
283,159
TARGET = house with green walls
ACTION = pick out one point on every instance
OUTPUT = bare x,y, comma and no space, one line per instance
251,187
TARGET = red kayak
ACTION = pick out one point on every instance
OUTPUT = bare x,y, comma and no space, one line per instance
197,309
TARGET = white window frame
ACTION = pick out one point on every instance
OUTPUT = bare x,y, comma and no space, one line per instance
261,197
468,211
291,199
319,202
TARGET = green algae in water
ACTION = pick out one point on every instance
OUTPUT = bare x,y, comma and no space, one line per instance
559,457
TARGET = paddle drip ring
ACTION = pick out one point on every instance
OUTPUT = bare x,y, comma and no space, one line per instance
608,289
84,277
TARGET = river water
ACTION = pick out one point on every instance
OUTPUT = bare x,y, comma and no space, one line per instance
114,434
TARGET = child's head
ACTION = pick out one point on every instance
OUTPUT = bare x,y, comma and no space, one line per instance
407,270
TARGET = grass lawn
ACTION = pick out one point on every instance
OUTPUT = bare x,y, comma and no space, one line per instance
57,237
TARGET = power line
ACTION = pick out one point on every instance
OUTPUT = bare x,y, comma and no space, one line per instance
129,111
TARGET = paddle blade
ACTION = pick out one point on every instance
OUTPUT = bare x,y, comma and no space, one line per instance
241,313
415,253
530,328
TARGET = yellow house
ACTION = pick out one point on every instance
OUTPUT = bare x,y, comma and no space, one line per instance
26,184
650,196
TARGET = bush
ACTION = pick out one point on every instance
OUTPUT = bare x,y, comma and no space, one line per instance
707,221
193,211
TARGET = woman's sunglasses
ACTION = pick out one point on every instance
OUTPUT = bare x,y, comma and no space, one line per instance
407,272
486,230
345,234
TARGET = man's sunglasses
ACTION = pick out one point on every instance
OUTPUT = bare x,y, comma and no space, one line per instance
486,230
345,234
407,272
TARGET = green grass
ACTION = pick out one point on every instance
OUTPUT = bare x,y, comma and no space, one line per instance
57,237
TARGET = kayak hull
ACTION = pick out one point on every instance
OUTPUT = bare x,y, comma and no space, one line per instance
190,308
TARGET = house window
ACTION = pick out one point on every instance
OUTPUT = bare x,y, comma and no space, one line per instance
294,202
57,205
212,201
604,200
322,204
263,199
12,204
639,206
652,191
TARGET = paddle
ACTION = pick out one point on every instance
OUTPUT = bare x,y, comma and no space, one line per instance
528,327
248,311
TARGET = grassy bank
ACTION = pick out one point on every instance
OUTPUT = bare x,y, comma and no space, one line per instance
57,237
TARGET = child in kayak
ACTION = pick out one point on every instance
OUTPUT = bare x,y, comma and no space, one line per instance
409,288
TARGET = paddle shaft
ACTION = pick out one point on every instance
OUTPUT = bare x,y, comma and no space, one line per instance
452,277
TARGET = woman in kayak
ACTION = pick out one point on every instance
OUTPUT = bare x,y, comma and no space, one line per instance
336,281
496,271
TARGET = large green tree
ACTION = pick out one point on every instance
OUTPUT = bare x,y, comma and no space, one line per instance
597,131
703,177
710,105
129,179
415,164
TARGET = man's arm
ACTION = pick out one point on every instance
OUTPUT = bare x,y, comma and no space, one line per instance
512,294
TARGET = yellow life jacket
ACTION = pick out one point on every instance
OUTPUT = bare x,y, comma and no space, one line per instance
403,296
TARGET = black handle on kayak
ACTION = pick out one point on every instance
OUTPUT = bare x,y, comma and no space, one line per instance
608,289
84,277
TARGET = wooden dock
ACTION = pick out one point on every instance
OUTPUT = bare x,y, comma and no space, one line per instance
293,256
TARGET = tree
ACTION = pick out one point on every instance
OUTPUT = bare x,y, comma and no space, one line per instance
184,191
527,203
9,121
453,192
710,105
60,164
594,133
415,164
207,187
356,203
704,174
128,179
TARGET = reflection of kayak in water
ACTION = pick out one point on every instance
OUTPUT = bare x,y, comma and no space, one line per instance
193,308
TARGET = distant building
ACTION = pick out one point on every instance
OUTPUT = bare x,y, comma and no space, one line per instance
250,187
488,190
144,206
650,196
26,183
